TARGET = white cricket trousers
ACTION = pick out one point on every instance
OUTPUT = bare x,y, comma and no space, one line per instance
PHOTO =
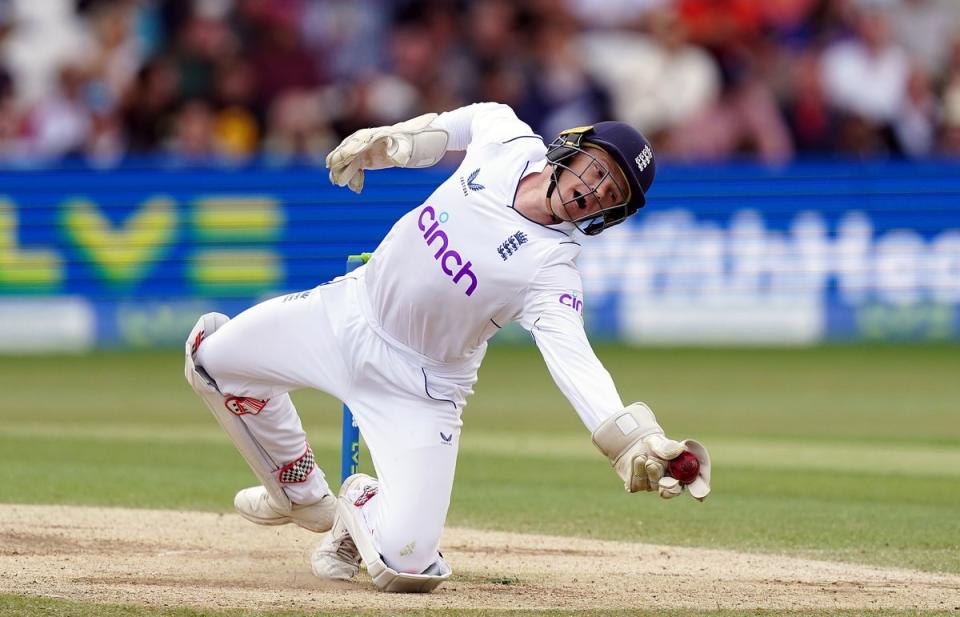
408,412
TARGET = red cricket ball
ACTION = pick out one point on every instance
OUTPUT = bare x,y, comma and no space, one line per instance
684,468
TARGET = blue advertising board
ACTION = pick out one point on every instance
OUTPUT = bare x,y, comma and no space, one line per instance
744,254
735,254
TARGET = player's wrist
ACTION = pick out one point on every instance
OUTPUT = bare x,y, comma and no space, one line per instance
624,429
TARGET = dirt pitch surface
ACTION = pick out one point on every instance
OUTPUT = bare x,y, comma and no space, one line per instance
168,558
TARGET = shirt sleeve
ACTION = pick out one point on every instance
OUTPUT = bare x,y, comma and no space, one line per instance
480,124
552,312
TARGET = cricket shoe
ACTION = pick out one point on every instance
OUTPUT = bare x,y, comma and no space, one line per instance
256,505
337,555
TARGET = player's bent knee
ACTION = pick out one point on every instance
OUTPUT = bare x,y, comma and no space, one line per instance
428,572
389,579
409,554
205,326
228,409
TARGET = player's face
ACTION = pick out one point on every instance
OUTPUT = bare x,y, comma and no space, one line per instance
593,183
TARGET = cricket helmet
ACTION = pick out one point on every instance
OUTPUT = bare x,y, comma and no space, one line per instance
627,147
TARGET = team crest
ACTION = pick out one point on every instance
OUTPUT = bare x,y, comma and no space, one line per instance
643,159
512,245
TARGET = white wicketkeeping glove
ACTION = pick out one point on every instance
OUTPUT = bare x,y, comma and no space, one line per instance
413,143
700,487
639,451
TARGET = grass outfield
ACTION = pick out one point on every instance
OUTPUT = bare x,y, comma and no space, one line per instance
846,453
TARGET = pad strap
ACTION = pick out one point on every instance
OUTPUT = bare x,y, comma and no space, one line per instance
298,470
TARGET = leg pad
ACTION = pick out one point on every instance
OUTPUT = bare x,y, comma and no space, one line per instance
228,411
356,491
388,579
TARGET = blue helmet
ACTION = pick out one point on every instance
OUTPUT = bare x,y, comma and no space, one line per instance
628,148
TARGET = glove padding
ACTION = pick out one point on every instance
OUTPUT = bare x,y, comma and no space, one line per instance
699,488
413,143
639,451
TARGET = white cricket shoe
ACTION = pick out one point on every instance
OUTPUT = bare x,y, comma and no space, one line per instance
337,555
256,505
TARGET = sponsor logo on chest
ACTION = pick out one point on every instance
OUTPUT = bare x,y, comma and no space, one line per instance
450,261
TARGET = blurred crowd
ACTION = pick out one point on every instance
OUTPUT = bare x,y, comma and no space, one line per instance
226,80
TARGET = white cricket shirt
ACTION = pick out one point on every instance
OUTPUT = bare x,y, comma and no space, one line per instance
457,268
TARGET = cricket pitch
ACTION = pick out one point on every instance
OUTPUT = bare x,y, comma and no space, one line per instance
207,560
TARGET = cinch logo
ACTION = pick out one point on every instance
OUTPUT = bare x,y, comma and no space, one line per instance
643,159
572,301
442,255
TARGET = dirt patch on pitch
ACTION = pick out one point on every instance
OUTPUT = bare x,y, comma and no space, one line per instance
167,558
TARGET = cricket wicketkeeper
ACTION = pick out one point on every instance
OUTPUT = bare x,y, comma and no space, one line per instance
400,339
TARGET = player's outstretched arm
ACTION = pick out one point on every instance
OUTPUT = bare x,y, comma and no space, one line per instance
414,143
631,438
640,452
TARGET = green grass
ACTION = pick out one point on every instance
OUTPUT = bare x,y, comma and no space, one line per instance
849,453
